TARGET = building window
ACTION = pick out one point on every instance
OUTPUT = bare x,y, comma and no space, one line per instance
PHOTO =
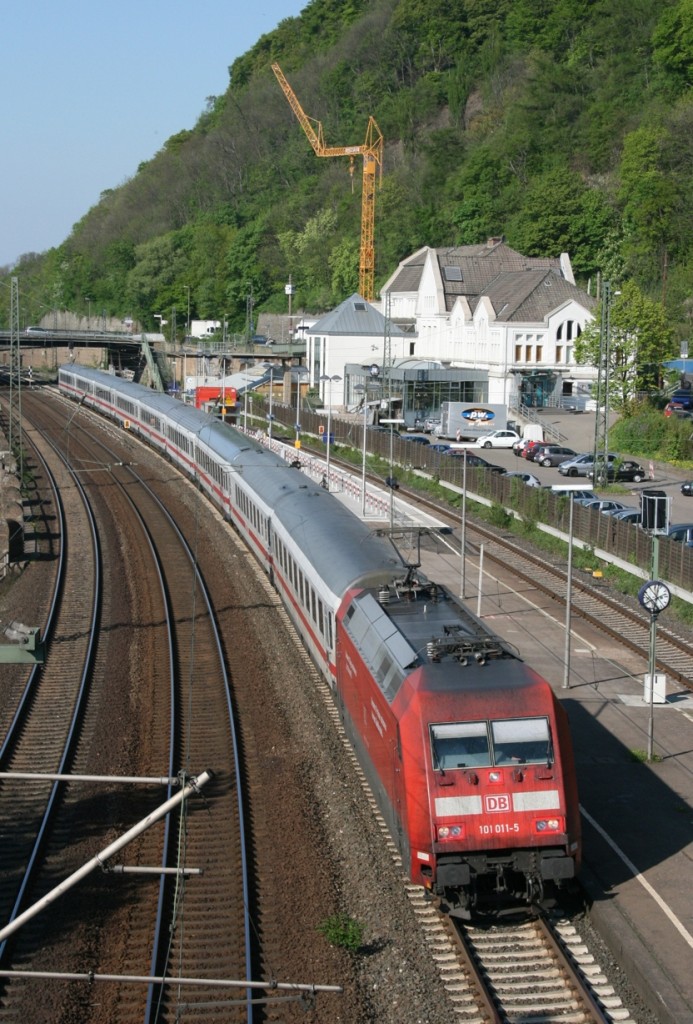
518,353
540,353
568,330
528,353
559,353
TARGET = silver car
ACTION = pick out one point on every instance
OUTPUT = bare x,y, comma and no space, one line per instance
582,465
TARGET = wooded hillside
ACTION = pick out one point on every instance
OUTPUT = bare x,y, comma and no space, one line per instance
563,124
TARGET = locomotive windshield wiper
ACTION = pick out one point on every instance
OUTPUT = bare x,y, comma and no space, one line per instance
437,762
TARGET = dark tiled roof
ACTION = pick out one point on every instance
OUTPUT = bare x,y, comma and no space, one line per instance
468,269
529,296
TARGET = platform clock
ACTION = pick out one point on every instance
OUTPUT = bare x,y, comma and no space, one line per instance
654,596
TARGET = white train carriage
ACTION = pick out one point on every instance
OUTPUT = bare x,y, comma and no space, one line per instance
312,547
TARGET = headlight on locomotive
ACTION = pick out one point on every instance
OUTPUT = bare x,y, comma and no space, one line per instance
448,832
549,825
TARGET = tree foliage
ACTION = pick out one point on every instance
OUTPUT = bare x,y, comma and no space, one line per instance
566,125
629,338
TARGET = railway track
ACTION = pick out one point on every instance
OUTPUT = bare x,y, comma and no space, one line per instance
41,737
177,726
198,926
536,971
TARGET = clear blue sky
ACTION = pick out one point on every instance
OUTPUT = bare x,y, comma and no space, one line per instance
92,89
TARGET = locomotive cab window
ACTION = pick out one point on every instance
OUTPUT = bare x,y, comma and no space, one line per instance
521,741
460,745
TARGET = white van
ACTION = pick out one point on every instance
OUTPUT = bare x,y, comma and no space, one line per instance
532,432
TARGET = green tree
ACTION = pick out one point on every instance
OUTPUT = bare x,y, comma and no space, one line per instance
673,47
648,198
560,214
640,340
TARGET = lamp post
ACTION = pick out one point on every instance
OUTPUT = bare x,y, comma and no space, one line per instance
463,535
361,389
391,480
600,461
289,291
654,596
270,417
301,371
187,322
88,312
568,598
328,380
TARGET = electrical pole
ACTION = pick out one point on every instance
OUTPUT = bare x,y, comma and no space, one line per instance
15,424
600,461
387,356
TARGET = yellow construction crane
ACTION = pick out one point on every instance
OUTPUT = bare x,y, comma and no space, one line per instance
372,153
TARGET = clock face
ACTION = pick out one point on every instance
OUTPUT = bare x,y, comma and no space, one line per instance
654,596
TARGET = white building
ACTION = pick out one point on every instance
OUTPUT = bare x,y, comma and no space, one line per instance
488,307
354,332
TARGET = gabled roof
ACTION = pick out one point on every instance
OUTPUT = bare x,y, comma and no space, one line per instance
353,317
530,296
468,269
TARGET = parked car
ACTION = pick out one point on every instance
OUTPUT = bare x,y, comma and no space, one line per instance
498,439
687,488
623,513
677,410
628,515
520,446
430,425
624,471
681,532
475,461
440,447
528,449
572,492
528,478
605,505
551,454
415,438
581,465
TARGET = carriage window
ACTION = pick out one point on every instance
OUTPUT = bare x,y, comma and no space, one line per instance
460,745
522,741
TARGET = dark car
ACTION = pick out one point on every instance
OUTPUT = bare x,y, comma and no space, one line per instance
415,439
687,488
475,461
628,515
681,532
624,471
551,454
439,447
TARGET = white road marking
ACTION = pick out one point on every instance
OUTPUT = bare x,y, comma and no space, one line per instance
664,907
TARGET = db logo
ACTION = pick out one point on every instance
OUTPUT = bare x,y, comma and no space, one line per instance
500,802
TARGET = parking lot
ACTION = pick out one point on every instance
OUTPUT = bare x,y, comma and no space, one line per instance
578,432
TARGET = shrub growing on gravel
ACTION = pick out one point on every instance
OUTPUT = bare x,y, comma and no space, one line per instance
343,931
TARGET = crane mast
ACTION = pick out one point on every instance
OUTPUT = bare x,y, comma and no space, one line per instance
372,153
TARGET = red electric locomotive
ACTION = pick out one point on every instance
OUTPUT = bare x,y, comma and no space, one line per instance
467,749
